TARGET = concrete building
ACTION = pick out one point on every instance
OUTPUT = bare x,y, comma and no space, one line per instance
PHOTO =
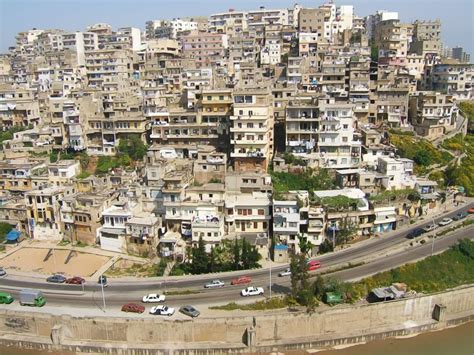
453,79
206,49
251,132
111,235
372,21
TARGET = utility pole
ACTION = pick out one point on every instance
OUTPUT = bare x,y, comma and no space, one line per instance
333,237
270,259
102,287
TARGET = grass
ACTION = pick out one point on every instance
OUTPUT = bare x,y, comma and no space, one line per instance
452,268
272,303
179,293
64,242
140,270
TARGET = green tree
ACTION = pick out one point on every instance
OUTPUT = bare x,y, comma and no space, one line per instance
236,255
132,146
325,247
245,254
347,229
319,287
423,158
200,258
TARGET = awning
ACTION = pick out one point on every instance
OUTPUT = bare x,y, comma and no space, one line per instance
13,235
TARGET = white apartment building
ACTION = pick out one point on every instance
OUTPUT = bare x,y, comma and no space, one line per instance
248,214
302,127
271,52
396,173
80,43
286,223
126,38
337,146
63,171
111,235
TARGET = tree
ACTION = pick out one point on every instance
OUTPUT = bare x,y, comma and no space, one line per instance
325,247
200,258
245,254
346,230
423,157
236,255
132,146
319,287
305,245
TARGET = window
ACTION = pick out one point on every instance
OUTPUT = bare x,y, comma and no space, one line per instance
261,212
255,225
209,98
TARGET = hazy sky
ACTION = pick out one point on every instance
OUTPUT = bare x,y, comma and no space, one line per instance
457,16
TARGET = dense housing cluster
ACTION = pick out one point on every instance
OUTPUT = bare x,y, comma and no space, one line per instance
269,125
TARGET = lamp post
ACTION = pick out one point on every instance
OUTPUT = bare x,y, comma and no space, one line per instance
270,259
102,288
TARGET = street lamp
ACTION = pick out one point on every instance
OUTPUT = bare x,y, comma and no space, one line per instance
102,288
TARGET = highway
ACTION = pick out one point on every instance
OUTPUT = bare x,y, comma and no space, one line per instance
119,292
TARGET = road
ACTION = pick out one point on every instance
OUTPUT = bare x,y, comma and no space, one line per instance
121,292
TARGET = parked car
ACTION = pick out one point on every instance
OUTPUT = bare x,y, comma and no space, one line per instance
133,307
214,284
162,310
313,265
102,280
2,272
252,291
430,228
76,280
471,210
286,272
459,216
190,311
59,279
153,298
241,280
415,233
445,222
5,298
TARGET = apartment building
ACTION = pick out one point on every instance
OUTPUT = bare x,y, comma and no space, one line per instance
372,21
396,173
359,87
109,69
103,32
206,49
18,107
63,171
392,39
251,131
248,215
426,37
337,144
43,211
111,235
230,23
432,114
302,128
209,165
125,38
453,79
15,175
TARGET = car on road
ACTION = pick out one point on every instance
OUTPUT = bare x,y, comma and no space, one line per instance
286,272
430,228
241,280
313,265
102,280
59,279
2,272
190,311
214,284
76,280
153,298
445,222
162,310
459,216
415,233
5,298
133,308
252,291
471,210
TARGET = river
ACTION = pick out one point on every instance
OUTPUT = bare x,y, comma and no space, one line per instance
453,341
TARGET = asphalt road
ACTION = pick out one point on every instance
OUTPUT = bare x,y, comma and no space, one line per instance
118,293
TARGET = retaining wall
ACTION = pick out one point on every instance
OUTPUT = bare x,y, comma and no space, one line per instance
265,332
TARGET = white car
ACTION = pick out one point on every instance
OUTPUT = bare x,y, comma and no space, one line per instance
445,222
252,291
214,284
286,272
162,310
430,228
153,298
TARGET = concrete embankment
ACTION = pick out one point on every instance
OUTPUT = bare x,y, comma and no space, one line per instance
264,332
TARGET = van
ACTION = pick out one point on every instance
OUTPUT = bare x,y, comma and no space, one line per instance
5,298
29,297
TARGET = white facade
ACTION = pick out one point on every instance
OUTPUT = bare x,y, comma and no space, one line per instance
112,233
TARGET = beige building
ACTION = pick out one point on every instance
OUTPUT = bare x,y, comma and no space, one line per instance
251,133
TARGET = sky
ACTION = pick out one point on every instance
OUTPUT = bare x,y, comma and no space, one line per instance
457,16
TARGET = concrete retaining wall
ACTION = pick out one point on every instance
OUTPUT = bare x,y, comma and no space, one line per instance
340,325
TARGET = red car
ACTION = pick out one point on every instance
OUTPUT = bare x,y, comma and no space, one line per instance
133,307
471,210
313,265
241,280
76,280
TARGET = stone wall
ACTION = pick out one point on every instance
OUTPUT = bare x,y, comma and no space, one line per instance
339,325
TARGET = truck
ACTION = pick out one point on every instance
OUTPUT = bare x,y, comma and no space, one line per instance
29,297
